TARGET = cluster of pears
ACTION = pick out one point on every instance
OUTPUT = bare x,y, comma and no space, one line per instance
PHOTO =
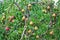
11,18
48,9
28,7
32,23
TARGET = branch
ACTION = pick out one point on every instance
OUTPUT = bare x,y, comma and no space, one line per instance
25,27
50,23
37,3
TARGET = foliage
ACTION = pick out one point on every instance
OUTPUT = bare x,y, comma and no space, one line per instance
29,20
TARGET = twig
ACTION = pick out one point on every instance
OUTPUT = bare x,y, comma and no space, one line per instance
37,3
50,23
25,27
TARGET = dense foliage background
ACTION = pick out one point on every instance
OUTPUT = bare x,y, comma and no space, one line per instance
29,20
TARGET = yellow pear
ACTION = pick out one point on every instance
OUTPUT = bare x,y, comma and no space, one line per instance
22,10
51,32
36,28
23,18
31,23
54,15
29,31
37,36
29,5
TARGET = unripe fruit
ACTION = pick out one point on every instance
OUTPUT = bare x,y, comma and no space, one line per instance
3,13
29,8
33,33
7,29
48,7
29,5
26,36
55,7
3,17
54,15
36,28
29,31
37,36
31,23
22,10
23,18
44,11
51,32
